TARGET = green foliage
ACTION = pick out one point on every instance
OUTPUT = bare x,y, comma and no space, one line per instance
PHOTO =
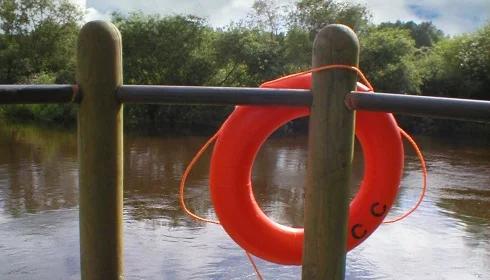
267,15
37,36
167,50
388,57
297,50
37,45
64,114
425,33
460,66
312,15
249,56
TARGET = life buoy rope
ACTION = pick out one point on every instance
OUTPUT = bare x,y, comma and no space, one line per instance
239,140
358,231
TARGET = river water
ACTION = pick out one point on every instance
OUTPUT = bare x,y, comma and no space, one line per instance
448,237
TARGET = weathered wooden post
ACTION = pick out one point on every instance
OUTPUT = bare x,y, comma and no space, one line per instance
330,152
99,73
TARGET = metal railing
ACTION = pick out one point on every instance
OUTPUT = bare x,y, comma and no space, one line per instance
100,93
437,107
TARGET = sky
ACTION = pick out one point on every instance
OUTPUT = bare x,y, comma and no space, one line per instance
452,16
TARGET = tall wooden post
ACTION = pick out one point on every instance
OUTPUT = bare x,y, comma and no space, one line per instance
99,73
330,151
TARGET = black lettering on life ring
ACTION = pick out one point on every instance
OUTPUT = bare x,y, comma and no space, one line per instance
378,213
355,233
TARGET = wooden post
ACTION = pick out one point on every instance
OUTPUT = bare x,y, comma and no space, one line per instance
100,149
330,152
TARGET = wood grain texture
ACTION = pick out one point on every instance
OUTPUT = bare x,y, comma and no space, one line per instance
330,151
99,74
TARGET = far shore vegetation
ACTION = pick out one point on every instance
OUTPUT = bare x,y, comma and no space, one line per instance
38,46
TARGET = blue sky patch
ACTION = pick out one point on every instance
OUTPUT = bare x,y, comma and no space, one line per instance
452,16
422,12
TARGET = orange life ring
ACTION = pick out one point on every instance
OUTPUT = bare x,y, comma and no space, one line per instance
238,142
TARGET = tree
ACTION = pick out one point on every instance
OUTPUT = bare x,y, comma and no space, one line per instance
460,66
298,46
248,56
267,16
425,33
37,45
388,57
165,50
38,36
312,15
172,50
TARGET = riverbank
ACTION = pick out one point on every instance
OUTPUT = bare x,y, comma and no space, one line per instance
199,120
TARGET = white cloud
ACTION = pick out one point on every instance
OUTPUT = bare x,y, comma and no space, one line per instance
93,14
452,16
387,11
81,3
218,12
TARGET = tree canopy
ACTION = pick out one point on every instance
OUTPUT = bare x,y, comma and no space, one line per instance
37,45
37,39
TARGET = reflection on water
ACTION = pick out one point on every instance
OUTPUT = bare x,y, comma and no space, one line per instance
447,238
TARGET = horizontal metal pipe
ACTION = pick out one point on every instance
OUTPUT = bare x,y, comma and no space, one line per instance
437,107
213,95
32,94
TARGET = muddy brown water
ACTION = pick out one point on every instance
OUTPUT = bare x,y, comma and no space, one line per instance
448,237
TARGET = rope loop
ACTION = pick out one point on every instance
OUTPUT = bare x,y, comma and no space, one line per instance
366,82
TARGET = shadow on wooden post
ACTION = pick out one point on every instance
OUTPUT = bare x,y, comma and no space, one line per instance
330,151
100,150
